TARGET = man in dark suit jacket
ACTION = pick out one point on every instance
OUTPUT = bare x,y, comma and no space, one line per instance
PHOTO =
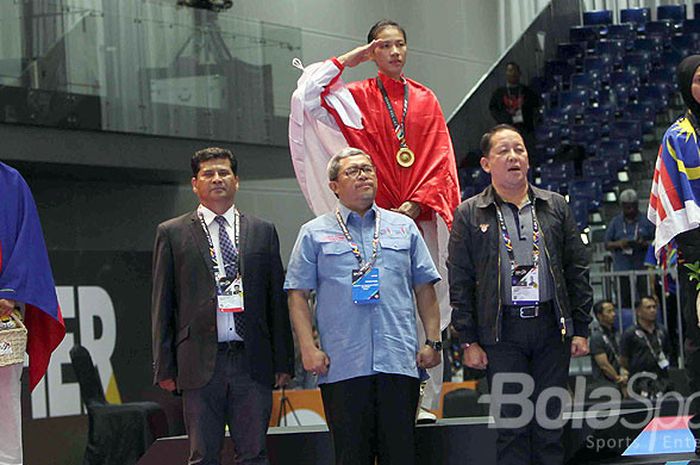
224,350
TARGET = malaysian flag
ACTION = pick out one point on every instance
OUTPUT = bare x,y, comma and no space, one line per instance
674,205
25,272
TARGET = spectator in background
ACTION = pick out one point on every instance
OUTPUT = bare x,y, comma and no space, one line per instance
646,348
628,236
515,104
665,287
605,348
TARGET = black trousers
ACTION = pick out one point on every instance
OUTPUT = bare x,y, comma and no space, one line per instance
372,417
231,397
533,349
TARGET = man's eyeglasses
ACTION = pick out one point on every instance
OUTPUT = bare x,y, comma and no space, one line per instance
355,171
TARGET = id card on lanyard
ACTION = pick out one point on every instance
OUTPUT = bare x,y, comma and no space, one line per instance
229,289
525,279
365,279
661,359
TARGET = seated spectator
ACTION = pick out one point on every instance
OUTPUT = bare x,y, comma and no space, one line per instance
645,348
628,237
605,349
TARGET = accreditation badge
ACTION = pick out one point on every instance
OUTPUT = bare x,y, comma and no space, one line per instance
365,287
663,361
525,285
230,294
518,116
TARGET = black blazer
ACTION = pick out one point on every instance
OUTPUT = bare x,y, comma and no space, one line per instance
184,303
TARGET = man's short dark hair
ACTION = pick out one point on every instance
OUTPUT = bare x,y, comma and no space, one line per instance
598,307
512,63
485,144
638,304
211,153
382,24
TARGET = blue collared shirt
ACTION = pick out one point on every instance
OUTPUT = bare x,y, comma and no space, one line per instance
363,340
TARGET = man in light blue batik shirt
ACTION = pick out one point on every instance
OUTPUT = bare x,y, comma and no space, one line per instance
366,264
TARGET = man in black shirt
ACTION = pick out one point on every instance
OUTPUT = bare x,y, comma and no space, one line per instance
515,103
605,348
646,348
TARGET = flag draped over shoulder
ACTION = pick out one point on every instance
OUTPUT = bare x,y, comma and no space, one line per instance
674,205
25,272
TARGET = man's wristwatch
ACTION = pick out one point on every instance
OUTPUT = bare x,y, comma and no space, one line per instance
436,345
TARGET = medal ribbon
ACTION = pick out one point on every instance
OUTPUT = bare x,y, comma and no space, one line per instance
509,244
364,266
212,251
399,128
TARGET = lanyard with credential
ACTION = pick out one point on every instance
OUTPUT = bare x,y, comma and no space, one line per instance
212,251
636,229
648,342
405,156
364,265
609,343
509,244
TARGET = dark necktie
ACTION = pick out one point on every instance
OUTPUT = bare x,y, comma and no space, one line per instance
229,257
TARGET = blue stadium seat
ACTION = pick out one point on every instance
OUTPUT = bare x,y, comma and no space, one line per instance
573,102
587,188
624,85
625,32
571,51
640,61
692,25
560,173
652,45
551,186
645,113
663,29
586,135
653,95
467,192
597,17
602,169
580,208
684,44
615,150
602,64
637,16
664,77
675,13
601,115
477,178
630,130
584,81
588,34
670,59
559,68
614,48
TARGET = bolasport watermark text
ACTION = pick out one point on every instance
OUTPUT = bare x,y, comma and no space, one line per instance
513,405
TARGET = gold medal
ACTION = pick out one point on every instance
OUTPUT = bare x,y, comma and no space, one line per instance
405,157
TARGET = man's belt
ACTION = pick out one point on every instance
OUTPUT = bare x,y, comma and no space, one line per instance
527,311
231,345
